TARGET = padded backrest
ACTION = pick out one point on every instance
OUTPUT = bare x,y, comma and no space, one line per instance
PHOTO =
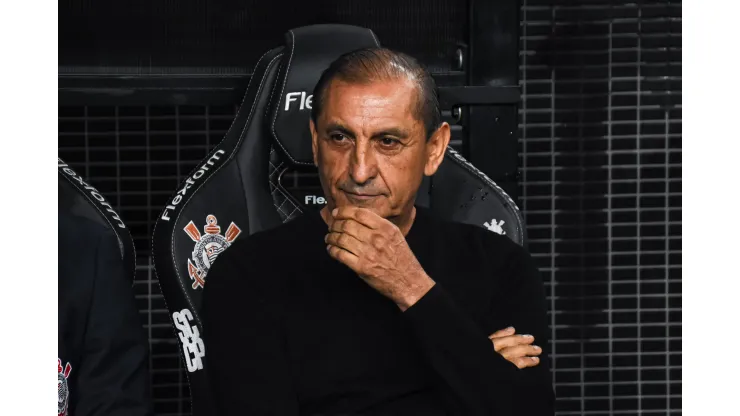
79,198
241,187
460,192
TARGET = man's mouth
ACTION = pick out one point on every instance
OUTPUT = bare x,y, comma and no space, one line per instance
353,195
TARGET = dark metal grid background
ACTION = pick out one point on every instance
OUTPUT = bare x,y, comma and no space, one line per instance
600,157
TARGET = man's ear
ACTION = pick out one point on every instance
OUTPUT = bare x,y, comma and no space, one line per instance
314,142
436,148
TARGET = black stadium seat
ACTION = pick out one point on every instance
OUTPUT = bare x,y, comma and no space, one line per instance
79,198
248,181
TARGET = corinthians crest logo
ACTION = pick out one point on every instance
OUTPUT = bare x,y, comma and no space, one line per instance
207,247
62,387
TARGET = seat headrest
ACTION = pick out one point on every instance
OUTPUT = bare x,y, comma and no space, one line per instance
310,50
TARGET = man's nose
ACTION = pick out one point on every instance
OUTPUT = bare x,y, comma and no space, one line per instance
363,166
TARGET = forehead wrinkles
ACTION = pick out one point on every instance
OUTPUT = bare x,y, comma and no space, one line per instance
363,106
375,117
369,107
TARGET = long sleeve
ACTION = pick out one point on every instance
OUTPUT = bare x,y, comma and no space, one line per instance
478,380
244,339
113,376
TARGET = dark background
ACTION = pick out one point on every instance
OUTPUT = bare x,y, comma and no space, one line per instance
592,151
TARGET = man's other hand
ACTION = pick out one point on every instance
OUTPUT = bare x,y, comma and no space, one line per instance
517,349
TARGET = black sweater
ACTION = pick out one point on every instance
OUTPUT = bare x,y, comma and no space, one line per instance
290,331
102,346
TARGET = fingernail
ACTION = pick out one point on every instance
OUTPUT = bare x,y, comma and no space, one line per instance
334,212
511,328
534,358
537,348
327,247
527,336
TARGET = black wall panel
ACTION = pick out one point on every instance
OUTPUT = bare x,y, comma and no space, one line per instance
229,36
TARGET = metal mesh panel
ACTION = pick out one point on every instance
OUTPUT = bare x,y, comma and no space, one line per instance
600,156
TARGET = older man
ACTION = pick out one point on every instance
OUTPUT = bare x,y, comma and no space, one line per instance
374,306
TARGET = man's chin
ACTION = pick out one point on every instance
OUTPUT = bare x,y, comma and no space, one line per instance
363,200
374,203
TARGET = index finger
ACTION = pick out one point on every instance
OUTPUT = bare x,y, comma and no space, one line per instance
362,215
511,341
503,332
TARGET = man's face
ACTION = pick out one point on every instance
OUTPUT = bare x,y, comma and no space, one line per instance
370,148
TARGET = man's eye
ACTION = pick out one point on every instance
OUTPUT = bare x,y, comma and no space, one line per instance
388,142
337,137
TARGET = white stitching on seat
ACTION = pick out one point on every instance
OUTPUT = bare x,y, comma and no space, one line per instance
277,110
278,185
272,95
95,204
457,157
377,43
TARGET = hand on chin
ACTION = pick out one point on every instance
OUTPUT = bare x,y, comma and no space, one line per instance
376,249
